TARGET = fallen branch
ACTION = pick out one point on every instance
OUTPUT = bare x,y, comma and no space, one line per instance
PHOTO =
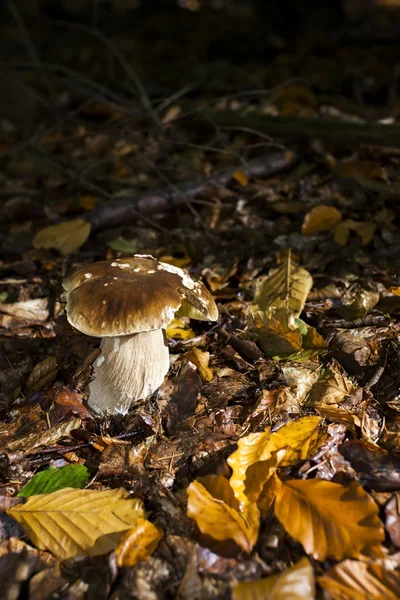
333,130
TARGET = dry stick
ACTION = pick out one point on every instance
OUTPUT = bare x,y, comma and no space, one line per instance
165,199
332,130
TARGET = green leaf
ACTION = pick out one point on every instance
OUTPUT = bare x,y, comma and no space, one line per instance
54,479
123,245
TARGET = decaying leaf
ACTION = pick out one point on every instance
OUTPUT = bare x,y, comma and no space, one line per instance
361,305
358,580
66,237
43,373
295,583
30,311
330,520
331,388
138,543
73,522
320,218
287,287
201,360
212,504
51,436
53,479
291,443
278,334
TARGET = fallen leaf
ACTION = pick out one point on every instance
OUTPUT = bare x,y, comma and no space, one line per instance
179,329
320,218
361,305
241,177
293,442
286,287
365,230
330,520
53,479
277,333
295,583
66,237
212,504
74,522
201,360
30,311
331,388
123,245
43,373
43,438
357,580
138,543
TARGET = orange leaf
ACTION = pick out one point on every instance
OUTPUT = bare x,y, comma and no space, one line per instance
138,543
212,505
201,360
320,218
296,583
241,177
329,519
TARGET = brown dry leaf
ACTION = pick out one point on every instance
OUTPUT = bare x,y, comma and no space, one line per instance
295,583
331,388
44,438
277,333
43,373
262,452
138,543
320,218
201,360
30,311
87,201
241,177
357,580
179,329
330,520
213,506
286,287
363,168
73,522
66,237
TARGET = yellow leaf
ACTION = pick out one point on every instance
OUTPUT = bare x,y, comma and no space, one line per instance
268,494
201,360
365,230
330,520
87,201
296,583
277,332
179,329
212,505
297,438
138,543
287,287
241,177
182,263
66,237
73,522
356,580
331,388
320,218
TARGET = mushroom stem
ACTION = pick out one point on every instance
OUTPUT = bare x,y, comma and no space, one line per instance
129,368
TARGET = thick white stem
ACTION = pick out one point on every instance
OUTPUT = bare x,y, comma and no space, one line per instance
129,368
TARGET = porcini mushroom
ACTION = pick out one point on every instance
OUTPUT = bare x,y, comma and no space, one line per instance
129,302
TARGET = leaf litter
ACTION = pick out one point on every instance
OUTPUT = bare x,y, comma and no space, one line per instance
266,465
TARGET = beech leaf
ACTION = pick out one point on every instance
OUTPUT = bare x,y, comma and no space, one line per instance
357,580
295,583
277,332
73,522
330,520
53,479
212,505
138,543
66,237
201,360
320,218
286,287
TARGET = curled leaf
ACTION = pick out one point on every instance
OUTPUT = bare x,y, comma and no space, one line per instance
201,360
138,543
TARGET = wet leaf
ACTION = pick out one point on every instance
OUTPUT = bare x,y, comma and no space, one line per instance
330,520
287,287
295,583
293,442
53,479
213,506
44,438
201,360
357,580
78,522
278,334
138,543
66,237
320,218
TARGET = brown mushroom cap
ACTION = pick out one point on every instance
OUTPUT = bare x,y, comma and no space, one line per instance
131,295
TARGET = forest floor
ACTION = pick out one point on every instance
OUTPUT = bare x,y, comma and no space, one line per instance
267,465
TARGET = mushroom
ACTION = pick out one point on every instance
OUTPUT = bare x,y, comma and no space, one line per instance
129,302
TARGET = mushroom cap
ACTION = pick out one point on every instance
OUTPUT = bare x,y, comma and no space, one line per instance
131,295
